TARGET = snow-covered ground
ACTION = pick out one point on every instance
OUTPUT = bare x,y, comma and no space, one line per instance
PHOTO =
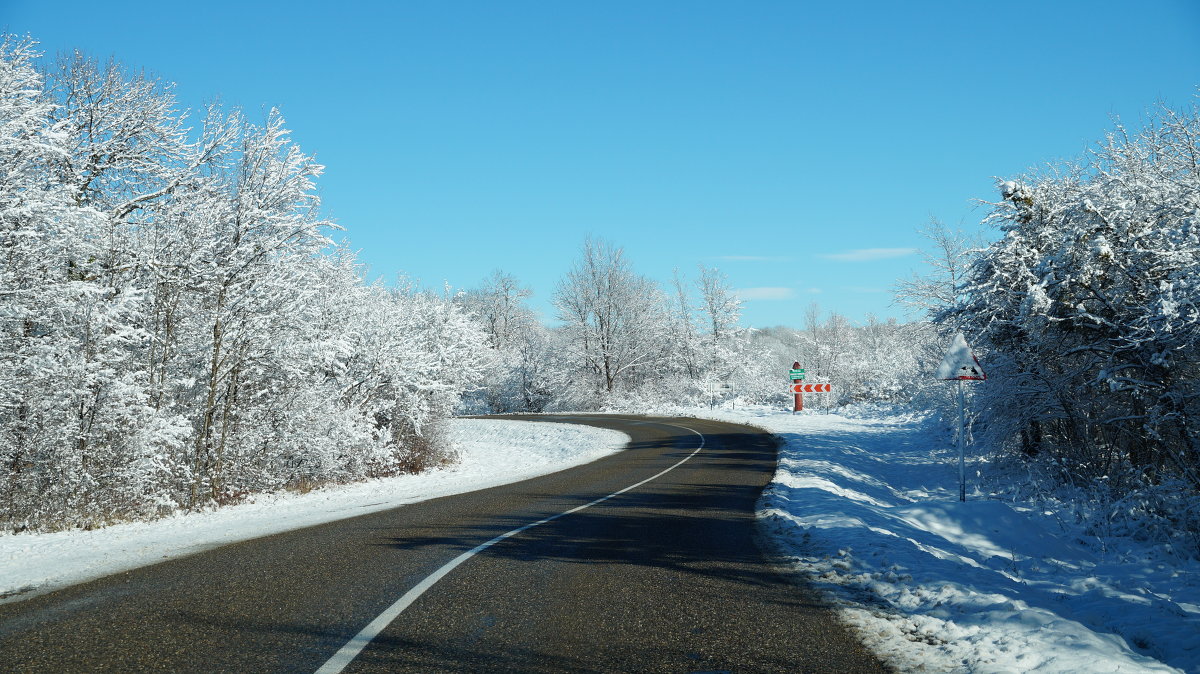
866,505
492,452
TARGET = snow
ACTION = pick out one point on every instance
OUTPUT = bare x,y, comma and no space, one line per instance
491,452
865,505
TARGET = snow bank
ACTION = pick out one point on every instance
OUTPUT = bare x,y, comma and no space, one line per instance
868,509
491,452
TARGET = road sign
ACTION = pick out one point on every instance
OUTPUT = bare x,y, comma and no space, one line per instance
796,374
960,363
811,388
715,389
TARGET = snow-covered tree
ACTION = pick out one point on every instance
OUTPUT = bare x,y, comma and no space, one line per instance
175,326
723,340
74,404
514,374
500,305
682,335
615,319
1088,306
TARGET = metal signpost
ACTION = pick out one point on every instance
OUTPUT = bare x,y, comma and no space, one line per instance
961,365
717,387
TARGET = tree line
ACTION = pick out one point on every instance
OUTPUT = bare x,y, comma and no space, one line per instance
624,342
176,327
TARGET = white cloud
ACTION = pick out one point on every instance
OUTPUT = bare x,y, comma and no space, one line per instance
870,254
774,293
814,291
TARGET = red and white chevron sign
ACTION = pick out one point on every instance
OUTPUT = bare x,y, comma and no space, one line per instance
811,388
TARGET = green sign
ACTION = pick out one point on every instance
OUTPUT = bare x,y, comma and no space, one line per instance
796,374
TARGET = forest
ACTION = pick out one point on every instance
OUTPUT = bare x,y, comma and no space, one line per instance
181,329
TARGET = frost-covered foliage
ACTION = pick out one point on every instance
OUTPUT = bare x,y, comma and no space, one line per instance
881,361
176,329
625,344
622,341
613,318
1087,311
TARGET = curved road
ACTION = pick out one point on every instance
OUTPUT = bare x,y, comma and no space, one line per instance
661,577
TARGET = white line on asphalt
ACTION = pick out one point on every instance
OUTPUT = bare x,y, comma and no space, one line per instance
347,653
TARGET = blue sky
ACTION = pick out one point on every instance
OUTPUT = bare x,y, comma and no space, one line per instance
775,140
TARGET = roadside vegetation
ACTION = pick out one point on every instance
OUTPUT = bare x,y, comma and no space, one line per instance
177,329
1089,304
1086,310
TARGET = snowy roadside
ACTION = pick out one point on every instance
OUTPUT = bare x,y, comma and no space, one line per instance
864,503
866,506
492,452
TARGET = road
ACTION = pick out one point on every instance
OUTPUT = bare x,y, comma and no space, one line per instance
661,577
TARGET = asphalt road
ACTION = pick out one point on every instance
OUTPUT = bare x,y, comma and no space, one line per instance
664,577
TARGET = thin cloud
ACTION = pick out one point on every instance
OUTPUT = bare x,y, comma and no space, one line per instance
770,293
870,254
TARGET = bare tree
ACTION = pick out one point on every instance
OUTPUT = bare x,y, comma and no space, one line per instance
718,302
948,258
615,318
684,339
499,304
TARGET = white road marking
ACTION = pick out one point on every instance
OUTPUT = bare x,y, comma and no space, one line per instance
347,653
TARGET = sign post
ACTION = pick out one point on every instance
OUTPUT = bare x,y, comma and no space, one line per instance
797,374
961,365
713,388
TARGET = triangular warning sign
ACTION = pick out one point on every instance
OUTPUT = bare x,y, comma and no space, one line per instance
959,362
